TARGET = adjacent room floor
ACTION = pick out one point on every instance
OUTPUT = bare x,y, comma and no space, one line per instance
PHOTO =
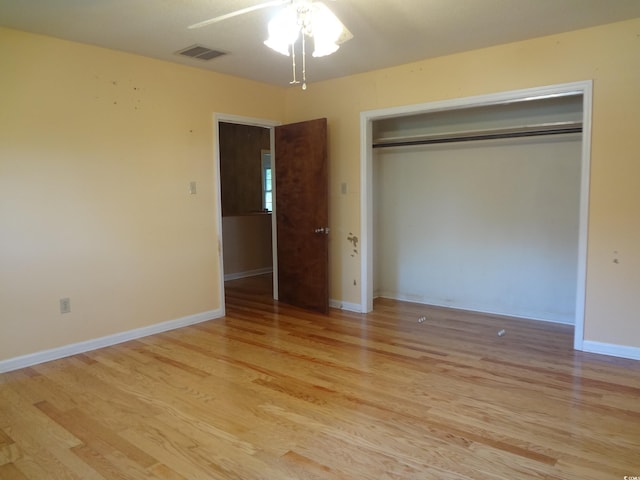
272,392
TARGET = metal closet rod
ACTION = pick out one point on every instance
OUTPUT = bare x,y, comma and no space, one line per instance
529,131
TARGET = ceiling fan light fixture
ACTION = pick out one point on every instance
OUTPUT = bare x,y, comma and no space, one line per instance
323,48
326,30
305,18
283,31
298,19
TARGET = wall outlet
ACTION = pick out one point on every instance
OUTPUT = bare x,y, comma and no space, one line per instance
65,305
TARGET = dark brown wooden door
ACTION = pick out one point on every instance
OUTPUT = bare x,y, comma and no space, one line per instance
302,214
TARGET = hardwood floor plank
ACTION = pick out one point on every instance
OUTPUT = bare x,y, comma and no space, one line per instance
273,392
89,430
111,463
176,450
10,471
40,456
24,417
299,466
163,472
9,450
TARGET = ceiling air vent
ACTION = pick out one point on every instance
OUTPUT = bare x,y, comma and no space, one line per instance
200,52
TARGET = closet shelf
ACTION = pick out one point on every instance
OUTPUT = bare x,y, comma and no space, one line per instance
555,128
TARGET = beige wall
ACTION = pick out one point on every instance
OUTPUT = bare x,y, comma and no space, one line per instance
247,245
610,55
97,149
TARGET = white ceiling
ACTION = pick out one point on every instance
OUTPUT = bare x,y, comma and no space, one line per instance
386,32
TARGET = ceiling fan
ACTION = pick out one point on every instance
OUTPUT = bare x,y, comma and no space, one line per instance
297,19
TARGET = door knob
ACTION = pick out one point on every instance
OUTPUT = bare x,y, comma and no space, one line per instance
324,230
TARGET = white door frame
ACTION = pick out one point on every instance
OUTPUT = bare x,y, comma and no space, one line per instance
583,88
256,122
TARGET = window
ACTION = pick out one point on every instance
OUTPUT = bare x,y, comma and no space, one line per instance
267,181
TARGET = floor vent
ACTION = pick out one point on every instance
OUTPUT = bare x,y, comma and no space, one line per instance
200,52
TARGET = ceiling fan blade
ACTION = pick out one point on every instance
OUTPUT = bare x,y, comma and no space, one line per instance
242,11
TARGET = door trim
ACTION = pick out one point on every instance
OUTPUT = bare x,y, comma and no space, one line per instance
217,194
585,88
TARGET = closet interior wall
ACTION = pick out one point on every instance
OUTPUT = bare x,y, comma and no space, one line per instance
489,225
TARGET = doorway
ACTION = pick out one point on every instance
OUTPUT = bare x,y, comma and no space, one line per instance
299,199
368,121
219,119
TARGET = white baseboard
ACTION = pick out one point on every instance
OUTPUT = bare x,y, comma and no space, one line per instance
248,273
422,301
614,350
350,307
81,347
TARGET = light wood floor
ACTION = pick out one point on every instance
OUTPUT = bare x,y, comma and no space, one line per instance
270,392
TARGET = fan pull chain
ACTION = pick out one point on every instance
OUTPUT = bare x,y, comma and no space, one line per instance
304,63
293,64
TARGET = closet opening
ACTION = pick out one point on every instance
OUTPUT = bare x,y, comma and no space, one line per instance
480,203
